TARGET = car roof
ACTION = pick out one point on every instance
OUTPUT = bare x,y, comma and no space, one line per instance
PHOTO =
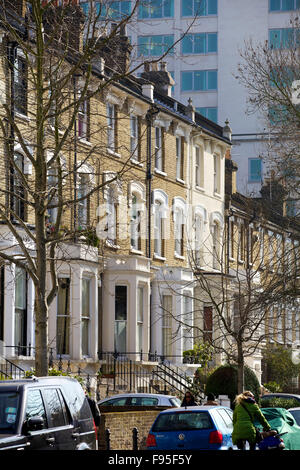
125,395
34,381
275,394
194,408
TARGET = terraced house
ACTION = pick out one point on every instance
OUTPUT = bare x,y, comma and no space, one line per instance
109,181
114,204
262,253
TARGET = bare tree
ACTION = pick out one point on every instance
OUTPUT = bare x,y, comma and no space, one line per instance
245,289
270,73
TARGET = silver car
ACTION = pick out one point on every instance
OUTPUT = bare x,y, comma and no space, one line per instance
141,399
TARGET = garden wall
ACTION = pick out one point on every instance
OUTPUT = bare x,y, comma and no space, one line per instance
121,422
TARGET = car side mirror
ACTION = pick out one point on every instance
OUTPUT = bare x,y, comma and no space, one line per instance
35,423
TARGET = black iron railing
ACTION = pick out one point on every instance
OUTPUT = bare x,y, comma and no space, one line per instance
10,370
126,371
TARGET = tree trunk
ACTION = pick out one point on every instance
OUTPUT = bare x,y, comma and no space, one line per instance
241,367
41,335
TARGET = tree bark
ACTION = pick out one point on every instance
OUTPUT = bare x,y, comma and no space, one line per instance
240,369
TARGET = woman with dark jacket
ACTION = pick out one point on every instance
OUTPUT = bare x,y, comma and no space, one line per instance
189,400
245,412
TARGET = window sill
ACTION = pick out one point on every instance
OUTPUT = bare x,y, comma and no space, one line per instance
217,194
231,259
52,128
22,116
179,256
113,153
179,180
160,258
111,245
200,189
136,252
136,162
83,141
240,261
160,172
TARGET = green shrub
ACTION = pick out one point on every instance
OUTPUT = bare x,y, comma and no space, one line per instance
223,381
274,402
273,387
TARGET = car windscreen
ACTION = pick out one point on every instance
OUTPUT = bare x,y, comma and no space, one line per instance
296,414
175,402
8,411
184,421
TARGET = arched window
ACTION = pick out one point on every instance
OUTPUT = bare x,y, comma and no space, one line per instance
161,230
179,231
112,210
18,190
179,211
158,229
216,246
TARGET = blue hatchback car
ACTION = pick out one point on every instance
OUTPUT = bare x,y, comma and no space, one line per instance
193,427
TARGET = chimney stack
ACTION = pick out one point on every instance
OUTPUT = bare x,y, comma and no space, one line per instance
159,76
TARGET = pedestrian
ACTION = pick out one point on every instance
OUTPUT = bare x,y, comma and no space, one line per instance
188,400
211,401
245,412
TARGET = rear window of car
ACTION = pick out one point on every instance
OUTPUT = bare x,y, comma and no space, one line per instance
185,421
9,402
296,415
175,401
115,402
226,419
143,401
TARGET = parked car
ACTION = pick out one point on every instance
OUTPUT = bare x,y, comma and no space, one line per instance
49,413
283,421
140,399
296,414
265,399
194,427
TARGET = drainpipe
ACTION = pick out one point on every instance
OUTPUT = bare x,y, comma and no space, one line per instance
152,112
75,155
11,59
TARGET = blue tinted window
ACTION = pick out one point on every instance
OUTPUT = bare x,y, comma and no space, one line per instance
255,169
212,42
291,208
274,5
186,81
212,80
283,38
199,80
155,45
200,43
85,7
156,9
199,7
284,5
209,112
115,10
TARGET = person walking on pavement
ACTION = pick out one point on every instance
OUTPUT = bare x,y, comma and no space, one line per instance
188,400
245,412
211,400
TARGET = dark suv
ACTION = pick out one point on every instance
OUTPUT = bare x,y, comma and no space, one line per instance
47,413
